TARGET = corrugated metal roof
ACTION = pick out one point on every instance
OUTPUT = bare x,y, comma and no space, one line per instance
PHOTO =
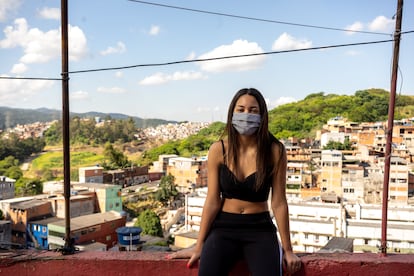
24,205
90,220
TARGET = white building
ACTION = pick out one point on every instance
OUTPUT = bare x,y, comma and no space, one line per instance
313,224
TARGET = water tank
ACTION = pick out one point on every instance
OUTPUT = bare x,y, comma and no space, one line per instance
128,235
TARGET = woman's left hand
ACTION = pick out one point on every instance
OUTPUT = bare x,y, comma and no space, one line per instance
291,262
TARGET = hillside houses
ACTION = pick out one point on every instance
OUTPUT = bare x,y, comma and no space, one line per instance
356,174
347,182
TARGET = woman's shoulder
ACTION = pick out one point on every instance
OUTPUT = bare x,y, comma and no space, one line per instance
217,149
277,147
219,145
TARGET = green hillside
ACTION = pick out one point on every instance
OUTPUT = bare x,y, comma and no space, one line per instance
302,118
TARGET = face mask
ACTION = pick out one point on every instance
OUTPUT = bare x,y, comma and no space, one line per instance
246,123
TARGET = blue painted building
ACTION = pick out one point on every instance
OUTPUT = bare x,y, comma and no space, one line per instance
38,231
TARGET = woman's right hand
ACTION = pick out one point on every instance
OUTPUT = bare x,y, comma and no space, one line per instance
194,258
191,253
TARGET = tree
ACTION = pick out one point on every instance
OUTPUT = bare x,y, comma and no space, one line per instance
167,190
116,158
150,223
26,186
338,145
10,168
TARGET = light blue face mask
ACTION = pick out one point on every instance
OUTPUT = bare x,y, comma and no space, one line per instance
246,123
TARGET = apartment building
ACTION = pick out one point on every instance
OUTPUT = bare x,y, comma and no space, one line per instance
6,187
353,184
91,174
106,197
331,172
162,163
186,171
22,212
399,177
127,176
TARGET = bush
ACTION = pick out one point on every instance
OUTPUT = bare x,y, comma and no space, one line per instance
150,223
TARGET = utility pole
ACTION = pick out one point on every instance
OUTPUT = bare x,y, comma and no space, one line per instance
69,244
388,149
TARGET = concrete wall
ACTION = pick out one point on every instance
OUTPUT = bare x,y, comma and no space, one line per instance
156,264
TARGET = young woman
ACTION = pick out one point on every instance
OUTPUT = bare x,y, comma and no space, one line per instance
243,169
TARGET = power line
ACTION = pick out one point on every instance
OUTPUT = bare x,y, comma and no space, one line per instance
258,19
227,57
201,60
28,78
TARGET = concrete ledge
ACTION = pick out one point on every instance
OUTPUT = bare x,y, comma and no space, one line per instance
155,263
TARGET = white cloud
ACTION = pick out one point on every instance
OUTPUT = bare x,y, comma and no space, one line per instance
8,8
79,95
50,13
357,26
191,56
119,74
352,53
238,47
161,78
381,24
110,90
41,47
15,90
288,42
155,30
280,101
118,49
19,68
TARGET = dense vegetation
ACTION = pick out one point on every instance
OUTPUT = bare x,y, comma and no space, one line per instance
18,148
87,132
12,152
301,119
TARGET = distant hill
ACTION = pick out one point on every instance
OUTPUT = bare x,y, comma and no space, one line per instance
303,118
10,117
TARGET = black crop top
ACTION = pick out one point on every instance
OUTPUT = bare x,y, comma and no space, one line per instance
231,187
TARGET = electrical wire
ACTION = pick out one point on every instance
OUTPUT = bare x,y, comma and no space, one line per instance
257,19
227,57
200,60
29,78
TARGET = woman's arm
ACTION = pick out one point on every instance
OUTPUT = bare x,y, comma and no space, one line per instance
280,207
213,200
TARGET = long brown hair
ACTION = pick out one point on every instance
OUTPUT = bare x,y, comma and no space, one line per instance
264,156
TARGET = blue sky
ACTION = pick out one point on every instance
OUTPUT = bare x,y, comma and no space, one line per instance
118,33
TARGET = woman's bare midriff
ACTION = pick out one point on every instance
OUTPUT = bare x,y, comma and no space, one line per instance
237,206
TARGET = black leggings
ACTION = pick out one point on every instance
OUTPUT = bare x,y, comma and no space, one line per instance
233,237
